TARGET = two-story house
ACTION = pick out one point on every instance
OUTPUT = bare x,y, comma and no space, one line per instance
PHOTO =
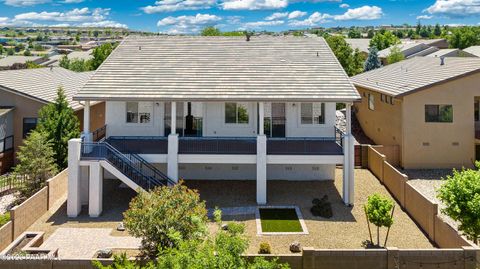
214,108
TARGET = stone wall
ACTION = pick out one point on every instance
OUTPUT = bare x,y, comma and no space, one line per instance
57,188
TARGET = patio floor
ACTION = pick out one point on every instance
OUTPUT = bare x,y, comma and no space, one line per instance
347,229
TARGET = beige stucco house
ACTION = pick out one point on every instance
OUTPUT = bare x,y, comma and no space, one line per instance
24,92
429,107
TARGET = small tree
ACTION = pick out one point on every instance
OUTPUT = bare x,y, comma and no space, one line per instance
379,211
59,123
372,62
395,55
461,195
35,163
166,216
211,31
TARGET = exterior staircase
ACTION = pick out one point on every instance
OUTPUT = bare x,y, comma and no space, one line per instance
131,166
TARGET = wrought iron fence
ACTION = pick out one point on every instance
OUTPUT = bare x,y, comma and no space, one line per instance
217,145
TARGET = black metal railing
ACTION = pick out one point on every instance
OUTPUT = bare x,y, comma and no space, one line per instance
100,133
339,134
132,166
303,146
217,145
6,144
140,144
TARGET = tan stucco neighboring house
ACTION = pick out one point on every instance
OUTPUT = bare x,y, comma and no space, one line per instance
24,92
427,106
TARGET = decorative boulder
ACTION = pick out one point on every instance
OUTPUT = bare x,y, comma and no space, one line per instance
322,208
104,253
295,247
224,227
121,227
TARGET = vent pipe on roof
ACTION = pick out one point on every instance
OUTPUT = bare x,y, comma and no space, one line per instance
442,60
139,47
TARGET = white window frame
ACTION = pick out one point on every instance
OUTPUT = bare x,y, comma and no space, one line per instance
150,123
371,101
313,124
236,123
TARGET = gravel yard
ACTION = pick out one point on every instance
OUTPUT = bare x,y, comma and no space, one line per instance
428,181
6,202
347,229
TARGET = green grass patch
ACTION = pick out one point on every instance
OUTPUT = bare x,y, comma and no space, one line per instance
279,220
4,218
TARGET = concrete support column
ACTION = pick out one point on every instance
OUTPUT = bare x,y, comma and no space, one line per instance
173,120
261,118
86,122
348,161
172,157
261,169
73,199
95,190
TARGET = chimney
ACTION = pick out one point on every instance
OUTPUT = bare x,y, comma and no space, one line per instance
442,60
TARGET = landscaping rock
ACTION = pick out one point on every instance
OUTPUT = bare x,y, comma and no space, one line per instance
295,247
224,227
104,253
121,227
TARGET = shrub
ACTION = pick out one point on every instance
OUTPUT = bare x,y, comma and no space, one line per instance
166,216
4,218
461,195
265,248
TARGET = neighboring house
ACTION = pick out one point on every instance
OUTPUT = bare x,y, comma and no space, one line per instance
257,110
6,138
408,50
474,50
11,60
362,44
25,91
450,53
427,106
82,55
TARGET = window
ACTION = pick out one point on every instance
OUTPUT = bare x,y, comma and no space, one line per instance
477,110
312,113
236,113
438,113
139,112
371,101
28,125
383,98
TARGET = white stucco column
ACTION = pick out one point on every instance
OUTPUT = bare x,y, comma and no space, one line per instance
73,197
348,163
172,157
261,169
95,190
173,120
261,118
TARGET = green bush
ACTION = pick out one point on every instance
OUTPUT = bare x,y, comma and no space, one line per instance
265,248
166,216
4,218
379,211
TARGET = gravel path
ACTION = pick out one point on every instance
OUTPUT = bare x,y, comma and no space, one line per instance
427,182
6,202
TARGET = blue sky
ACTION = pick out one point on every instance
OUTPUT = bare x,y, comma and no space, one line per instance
189,16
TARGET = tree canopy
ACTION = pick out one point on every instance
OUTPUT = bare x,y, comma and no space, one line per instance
351,60
461,195
59,123
464,37
395,55
372,62
384,40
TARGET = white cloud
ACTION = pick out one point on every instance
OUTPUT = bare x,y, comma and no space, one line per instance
23,3
296,14
424,17
455,8
176,5
72,1
361,13
187,24
276,16
281,15
254,4
344,6
259,24
314,19
109,24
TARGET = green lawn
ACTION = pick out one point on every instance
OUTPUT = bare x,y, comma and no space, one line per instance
279,220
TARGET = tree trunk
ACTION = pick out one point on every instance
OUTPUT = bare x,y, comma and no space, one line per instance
378,236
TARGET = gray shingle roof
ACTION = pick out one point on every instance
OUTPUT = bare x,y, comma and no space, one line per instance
220,68
415,74
42,83
475,50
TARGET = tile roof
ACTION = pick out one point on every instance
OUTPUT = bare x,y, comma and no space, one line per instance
415,74
475,50
219,69
42,83
10,60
